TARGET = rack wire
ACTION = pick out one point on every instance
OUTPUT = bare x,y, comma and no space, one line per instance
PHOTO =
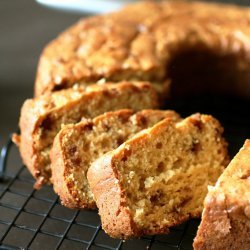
35,219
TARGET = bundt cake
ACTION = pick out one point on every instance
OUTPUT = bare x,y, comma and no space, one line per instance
42,118
194,46
226,216
159,177
76,146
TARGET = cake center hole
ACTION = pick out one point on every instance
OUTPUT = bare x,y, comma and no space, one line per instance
199,71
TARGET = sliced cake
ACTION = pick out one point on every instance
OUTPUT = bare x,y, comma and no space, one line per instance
226,216
76,146
159,177
42,118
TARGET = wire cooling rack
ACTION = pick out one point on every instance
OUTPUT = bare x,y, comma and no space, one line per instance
35,219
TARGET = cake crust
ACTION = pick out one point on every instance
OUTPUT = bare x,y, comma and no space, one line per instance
226,218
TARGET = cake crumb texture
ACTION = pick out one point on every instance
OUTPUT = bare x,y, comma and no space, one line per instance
77,146
159,177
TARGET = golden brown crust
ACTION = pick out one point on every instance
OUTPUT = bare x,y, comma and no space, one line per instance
28,123
226,215
57,158
110,196
116,218
41,118
139,41
63,163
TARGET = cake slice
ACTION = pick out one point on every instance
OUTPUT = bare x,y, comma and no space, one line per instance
42,118
159,177
77,146
226,216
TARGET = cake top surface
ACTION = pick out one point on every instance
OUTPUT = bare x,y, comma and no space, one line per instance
110,46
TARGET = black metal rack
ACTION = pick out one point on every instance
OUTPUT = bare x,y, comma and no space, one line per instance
35,219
